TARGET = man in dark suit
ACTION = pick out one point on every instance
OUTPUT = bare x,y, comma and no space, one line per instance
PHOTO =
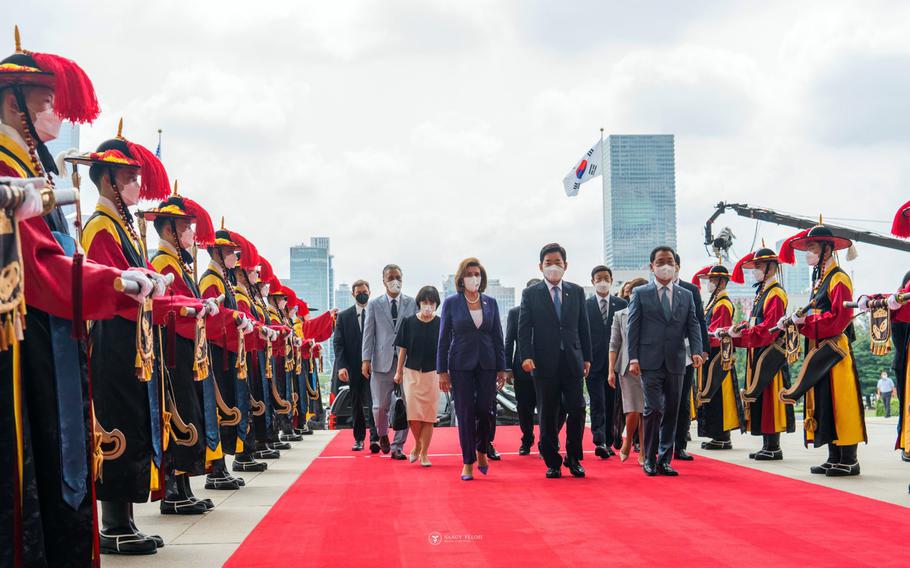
661,318
525,396
554,340
685,400
348,342
600,308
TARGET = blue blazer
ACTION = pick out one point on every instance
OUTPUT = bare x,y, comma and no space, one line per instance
462,345
656,341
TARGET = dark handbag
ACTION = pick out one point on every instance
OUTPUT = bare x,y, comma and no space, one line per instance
399,418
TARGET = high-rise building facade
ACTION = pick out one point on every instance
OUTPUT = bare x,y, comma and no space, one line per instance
639,200
343,298
796,279
312,274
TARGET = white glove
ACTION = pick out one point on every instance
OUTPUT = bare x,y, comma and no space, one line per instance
782,322
240,322
893,304
264,333
797,319
249,327
145,285
211,306
31,206
863,303
733,332
160,284
275,335
298,342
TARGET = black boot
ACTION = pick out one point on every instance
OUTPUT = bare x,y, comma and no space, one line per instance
159,542
176,502
118,535
187,491
279,445
220,479
245,462
770,449
263,452
833,458
290,436
848,464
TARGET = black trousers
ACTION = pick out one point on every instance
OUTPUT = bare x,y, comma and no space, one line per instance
662,390
552,393
602,400
526,398
361,408
683,419
886,399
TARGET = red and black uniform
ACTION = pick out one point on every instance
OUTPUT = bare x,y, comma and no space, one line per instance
828,377
46,448
767,368
719,408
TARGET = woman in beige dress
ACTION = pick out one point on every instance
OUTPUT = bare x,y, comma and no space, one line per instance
417,341
633,398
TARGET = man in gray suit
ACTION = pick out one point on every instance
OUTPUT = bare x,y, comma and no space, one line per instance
380,356
661,317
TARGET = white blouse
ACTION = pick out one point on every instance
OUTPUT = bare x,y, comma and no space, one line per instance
477,316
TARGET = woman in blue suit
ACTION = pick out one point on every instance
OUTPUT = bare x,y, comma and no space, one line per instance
471,361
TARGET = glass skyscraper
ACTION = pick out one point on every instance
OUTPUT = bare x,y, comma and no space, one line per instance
639,200
312,274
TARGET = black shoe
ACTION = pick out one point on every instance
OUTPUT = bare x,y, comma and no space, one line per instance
820,469
209,505
299,431
374,446
492,454
307,432
601,451
649,468
250,465
524,450
717,445
279,446
768,455
683,455
159,542
127,543
384,444
266,455
184,507
905,456
357,447
843,470
665,469
240,481
575,468
637,447
398,455
291,437
554,473
221,483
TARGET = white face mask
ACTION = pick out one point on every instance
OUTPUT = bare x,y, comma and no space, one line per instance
427,309
472,283
758,274
394,286
710,287
129,193
602,287
553,273
230,260
47,125
812,258
253,276
265,289
186,238
282,304
665,272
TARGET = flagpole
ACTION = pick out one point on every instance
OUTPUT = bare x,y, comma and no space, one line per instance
603,181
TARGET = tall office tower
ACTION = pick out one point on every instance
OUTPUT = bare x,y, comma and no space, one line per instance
639,200
343,298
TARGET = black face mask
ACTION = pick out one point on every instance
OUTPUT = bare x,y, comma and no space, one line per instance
362,298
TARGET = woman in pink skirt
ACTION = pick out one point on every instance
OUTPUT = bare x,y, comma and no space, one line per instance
417,341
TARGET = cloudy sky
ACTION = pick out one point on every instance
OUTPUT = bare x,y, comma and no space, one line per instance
422,132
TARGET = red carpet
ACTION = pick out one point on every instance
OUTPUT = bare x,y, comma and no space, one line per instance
370,511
